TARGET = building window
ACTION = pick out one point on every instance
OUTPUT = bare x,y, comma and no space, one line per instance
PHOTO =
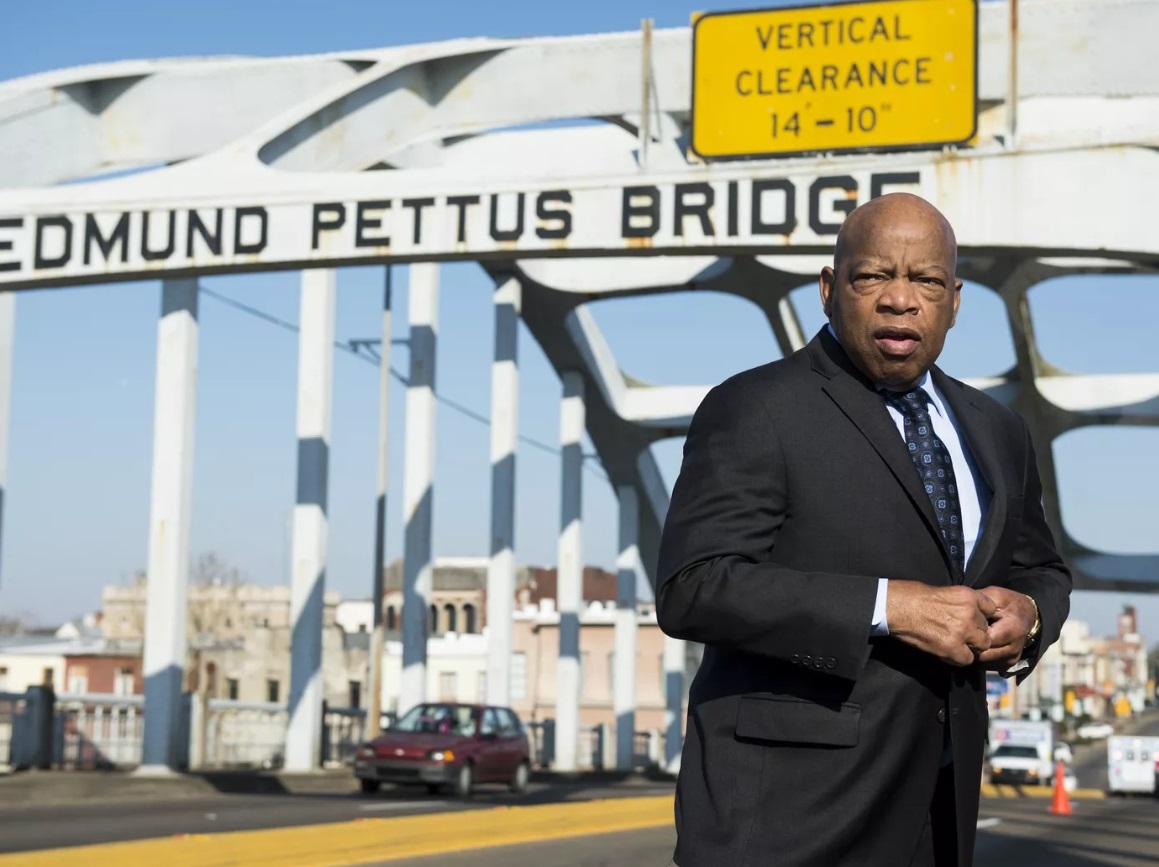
391,618
231,690
433,625
448,685
451,620
469,624
272,690
518,676
123,682
355,690
78,684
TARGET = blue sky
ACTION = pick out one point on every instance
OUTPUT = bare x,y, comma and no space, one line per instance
78,500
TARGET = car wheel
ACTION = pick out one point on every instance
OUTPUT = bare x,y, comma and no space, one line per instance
369,787
522,777
464,781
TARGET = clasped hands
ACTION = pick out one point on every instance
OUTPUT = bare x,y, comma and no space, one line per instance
960,625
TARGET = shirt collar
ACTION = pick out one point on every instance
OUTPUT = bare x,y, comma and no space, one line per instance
927,382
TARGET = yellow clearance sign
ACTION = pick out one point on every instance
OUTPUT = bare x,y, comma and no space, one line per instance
852,76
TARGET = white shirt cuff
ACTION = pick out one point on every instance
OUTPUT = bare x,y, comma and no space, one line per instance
879,626
1018,666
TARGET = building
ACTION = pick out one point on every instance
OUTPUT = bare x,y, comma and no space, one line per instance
71,666
1083,675
239,641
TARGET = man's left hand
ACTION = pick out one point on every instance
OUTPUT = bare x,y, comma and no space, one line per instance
1009,627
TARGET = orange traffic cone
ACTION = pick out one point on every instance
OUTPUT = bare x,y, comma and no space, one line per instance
1060,804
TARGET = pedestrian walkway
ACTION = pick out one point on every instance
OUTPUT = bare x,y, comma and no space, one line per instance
369,840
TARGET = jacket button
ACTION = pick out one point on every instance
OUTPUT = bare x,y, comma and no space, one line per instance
808,660
795,659
831,663
941,714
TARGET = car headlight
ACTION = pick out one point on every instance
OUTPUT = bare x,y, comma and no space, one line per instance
1032,773
441,756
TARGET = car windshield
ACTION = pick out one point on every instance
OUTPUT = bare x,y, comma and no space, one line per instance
443,719
1012,752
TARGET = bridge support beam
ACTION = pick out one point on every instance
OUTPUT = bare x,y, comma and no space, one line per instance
624,669
308,581
7,337
169,523
569,586
675,652
418,482
504,439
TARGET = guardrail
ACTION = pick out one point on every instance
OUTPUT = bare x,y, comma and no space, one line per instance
234,734
596,749
97,732
10,706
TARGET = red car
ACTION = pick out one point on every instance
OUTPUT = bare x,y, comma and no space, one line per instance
448,745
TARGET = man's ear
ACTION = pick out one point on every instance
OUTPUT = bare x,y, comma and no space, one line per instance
826,283
957,301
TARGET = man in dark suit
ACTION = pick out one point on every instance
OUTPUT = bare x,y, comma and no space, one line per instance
856,538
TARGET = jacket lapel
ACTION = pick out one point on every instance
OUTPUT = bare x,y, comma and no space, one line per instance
975,430
856,397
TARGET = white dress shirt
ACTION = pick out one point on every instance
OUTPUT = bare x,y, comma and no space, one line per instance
970,484
970,503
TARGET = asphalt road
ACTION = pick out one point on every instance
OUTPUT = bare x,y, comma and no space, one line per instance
1090,764
26,828
52,826
1112,833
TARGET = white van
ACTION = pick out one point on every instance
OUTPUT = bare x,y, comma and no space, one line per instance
1021,752
1132,764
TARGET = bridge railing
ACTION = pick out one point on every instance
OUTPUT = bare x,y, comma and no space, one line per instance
11,704
596,749
97,732
240,734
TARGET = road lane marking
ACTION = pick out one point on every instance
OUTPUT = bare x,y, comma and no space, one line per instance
988,823
989,790
400,805
368,840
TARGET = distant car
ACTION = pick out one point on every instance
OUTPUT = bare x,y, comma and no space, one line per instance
447,745
1020,764
1096,731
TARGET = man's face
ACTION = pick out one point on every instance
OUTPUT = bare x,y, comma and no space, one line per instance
893,295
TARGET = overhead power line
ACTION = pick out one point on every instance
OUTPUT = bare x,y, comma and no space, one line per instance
354,349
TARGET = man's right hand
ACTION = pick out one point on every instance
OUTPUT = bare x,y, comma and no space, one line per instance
947,622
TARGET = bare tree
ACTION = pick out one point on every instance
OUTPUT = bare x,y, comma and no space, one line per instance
210,570
17,623
212,613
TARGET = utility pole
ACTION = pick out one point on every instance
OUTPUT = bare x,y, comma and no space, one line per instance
378,637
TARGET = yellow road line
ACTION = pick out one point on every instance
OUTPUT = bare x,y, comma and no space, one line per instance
366,841
1004,791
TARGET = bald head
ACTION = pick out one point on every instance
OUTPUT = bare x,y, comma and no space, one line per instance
892,293
890,209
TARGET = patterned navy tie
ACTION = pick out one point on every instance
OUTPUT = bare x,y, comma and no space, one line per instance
932,460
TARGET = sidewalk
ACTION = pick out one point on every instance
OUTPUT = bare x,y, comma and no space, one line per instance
30,788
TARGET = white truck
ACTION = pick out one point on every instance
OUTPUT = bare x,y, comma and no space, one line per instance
1132,764
1022,752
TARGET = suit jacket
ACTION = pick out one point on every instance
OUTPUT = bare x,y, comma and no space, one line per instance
809,743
